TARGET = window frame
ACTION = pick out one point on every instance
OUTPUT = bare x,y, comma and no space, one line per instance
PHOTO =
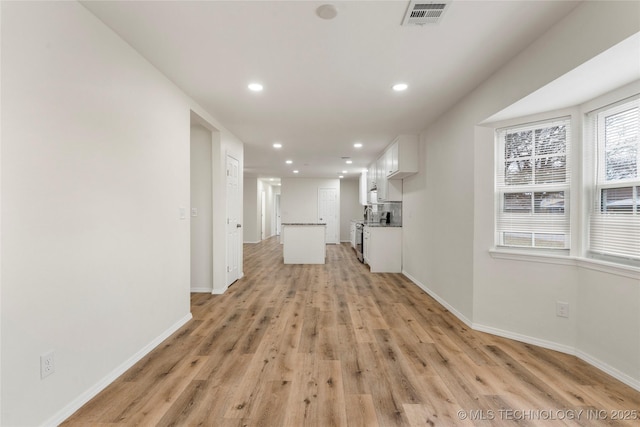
595,156
531,220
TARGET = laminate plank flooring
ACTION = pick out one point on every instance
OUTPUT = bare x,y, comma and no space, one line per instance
335,345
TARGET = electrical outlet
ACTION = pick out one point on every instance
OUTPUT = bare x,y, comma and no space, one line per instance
562,309
47,365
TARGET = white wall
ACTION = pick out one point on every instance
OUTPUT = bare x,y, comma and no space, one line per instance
251,211
350,207
274,218
201,199
268,209
447,250
299,198
95,168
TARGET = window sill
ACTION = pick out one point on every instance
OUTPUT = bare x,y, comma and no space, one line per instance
588,263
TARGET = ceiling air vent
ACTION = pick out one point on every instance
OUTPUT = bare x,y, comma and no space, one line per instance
425,12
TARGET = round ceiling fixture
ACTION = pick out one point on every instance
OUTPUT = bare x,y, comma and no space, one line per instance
399,87
255,87
327,11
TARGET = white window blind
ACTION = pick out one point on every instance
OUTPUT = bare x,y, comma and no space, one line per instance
532,185
614,146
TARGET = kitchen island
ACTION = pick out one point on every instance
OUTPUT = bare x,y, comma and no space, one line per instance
304,242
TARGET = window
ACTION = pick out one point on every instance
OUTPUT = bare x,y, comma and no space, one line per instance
614,220
532,185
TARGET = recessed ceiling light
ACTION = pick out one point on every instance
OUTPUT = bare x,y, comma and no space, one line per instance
270,179
256,87
344,171
327,11
277,145
295,171
357,145
349,162
288,162
341,177
399,87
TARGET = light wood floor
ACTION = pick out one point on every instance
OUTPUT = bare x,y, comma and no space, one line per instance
334,345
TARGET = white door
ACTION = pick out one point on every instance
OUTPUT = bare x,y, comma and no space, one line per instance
328,212
278,221
233,222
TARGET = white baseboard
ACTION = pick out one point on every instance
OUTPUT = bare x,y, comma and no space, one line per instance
85,397
252,243
525,339
615,373
436,297
219,291
200,290
563,348
223,290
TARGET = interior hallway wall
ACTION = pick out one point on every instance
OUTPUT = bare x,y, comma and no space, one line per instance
95,170
251,211
350,207
446,250
202,219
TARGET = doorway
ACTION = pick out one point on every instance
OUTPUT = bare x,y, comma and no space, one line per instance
233,220
201,209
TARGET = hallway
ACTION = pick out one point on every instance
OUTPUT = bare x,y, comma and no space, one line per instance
335,345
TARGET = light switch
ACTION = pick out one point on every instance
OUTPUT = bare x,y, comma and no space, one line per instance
183,213
194,211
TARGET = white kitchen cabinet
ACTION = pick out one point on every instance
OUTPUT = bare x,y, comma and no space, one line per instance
393,190
371,176
364,189
383,249
392,158
389,190
402,157
381,178
371,182
352,234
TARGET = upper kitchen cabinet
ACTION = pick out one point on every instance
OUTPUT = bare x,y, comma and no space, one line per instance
381,177
389,190
364,188
371,177
401,157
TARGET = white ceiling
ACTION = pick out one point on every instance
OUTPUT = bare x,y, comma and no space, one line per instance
611,69
327,83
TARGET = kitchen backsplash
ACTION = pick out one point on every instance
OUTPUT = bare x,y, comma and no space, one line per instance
374,212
